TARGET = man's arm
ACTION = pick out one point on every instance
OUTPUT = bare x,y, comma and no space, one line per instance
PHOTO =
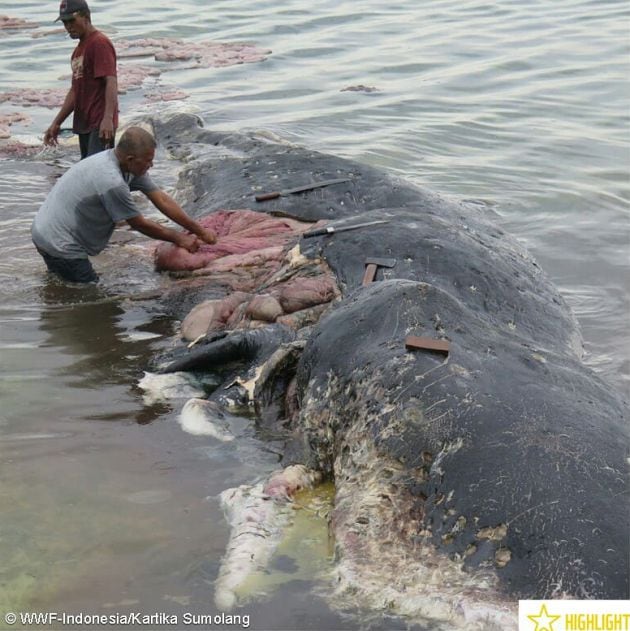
50,136
106,128
157,231
169,207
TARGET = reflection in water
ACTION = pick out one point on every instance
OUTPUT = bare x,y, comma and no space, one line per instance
82,321
86,324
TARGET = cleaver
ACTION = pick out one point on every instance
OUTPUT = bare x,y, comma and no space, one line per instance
263,197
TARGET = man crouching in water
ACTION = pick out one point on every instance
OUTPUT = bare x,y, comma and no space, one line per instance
79,215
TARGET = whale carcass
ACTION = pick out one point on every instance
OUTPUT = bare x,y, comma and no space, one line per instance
464,480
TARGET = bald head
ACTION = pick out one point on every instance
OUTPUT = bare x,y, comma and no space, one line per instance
135,151
136,141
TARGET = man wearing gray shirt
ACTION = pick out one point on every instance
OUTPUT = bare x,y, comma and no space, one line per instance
80,213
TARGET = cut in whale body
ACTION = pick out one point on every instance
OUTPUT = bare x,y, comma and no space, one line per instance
383,566
369,574
258,516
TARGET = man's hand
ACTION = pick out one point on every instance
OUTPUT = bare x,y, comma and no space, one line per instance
169,207
106,132
50,136
208,236
157,231
188,241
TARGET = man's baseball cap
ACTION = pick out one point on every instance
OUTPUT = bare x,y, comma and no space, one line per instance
68,8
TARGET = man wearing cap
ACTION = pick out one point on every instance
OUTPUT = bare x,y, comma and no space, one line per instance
80,213
93,96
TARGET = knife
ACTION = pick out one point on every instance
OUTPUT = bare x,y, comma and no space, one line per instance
332,230
263,197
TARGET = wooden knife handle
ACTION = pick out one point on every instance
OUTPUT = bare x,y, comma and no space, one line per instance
370,273
263,197
319,232
427,343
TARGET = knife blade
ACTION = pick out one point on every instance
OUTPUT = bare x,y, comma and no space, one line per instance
332,230
263,197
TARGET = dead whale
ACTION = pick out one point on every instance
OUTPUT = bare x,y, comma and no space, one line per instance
492,473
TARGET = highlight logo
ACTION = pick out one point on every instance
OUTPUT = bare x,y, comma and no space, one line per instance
574,615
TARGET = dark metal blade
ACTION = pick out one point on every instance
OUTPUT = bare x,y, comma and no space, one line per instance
318,232
360,225
313,185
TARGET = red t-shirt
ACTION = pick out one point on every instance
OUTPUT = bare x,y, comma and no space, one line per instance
92,60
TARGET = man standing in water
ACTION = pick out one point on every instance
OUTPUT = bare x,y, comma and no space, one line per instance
93,95
80,213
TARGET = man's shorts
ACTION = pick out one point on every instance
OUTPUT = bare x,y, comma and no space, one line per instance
74,270
91,143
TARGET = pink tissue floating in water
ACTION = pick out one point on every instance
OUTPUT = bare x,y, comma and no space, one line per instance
6,120
359,88
203,53
45,97
165,95
8,23
131,76
54,31
17,150
148,47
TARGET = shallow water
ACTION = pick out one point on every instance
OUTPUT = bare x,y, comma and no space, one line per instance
521,107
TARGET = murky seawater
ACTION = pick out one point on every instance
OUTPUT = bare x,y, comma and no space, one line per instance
523,107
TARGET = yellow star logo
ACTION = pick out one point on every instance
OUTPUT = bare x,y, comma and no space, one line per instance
543,621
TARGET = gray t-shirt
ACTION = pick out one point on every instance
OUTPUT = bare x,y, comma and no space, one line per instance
80,213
